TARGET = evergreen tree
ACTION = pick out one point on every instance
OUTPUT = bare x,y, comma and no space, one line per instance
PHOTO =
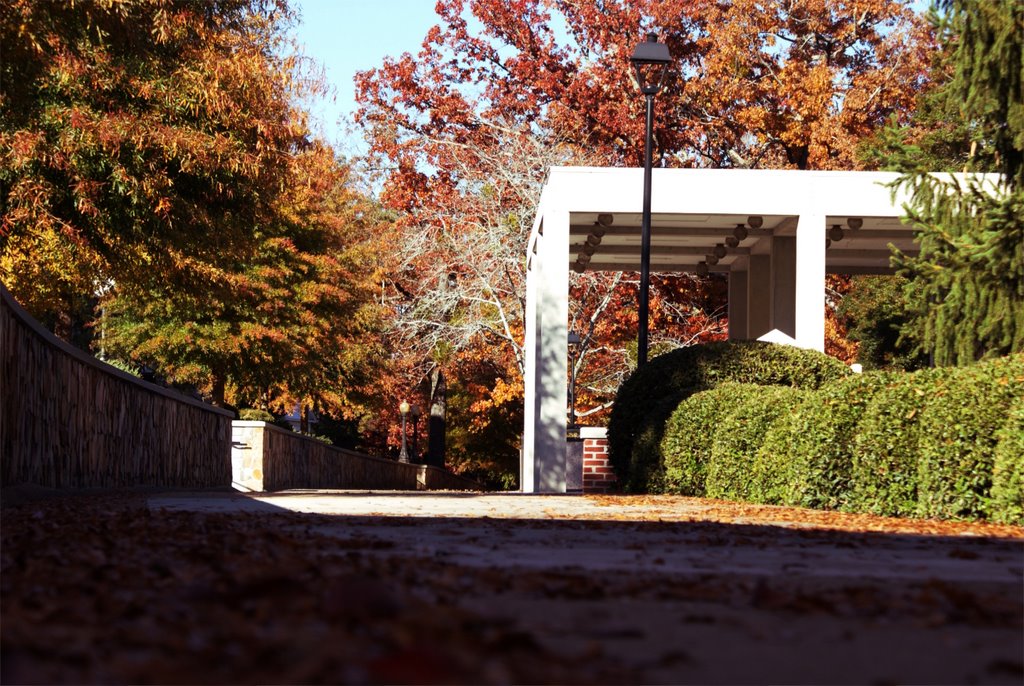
965,296
874,313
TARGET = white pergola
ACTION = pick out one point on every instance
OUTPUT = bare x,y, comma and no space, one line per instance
776,274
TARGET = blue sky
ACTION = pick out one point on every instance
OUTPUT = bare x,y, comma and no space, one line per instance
346,36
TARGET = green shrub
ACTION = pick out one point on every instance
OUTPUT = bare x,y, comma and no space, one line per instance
252,415
124,366
689,433
806,455
647,470
773,464
739,436
675,375
883,468
1008,469
958,435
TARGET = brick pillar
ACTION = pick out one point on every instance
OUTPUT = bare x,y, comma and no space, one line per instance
598,475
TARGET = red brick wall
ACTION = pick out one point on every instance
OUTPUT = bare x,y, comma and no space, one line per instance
598,475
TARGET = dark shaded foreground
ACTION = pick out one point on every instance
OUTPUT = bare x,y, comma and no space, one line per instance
102,589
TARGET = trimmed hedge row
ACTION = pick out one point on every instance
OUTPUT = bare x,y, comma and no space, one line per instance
731,470
690,434
806,456
1008,469
935,443
647,398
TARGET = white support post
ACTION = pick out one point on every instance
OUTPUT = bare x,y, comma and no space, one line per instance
784,285
544,446
759,296
737,304
810,281
528,455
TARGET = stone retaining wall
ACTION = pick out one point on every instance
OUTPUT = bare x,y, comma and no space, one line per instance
265,457
68,420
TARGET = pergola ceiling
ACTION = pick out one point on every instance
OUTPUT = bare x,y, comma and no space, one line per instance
681,242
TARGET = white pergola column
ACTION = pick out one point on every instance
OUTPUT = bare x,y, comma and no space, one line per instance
810,281
784,284
759,296
530,400
737,304
547,306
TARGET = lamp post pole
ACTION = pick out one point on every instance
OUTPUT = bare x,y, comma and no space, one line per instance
650,60
645,239
403,456
574,343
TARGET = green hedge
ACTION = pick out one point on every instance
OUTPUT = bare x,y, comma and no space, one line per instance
958,433
739,437
634,433
1008,469
690,432
936,443
647,469
254,415
806,456
885,448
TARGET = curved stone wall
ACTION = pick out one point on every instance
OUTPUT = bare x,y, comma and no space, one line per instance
68,420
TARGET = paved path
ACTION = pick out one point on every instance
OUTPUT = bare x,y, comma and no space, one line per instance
674,590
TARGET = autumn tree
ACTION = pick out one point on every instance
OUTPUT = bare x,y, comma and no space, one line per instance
753,84
294,324
780,83
153,156
140,140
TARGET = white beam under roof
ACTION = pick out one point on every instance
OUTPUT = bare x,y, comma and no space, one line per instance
693,210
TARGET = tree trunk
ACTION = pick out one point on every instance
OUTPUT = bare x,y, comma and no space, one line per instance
436,422
218,391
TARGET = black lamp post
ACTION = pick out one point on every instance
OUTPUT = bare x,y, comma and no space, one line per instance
404,455
574,343
650,60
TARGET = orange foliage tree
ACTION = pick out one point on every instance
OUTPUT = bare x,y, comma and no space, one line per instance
153,159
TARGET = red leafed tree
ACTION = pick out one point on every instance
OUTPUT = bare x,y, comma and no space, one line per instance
778,83
754,83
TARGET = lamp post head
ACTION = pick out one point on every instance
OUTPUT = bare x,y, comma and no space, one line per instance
574,339
404,408
650,59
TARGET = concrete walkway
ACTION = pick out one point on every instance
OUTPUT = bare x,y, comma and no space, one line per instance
676,590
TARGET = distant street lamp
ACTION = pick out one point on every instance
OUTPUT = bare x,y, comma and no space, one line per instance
404,455
650,60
